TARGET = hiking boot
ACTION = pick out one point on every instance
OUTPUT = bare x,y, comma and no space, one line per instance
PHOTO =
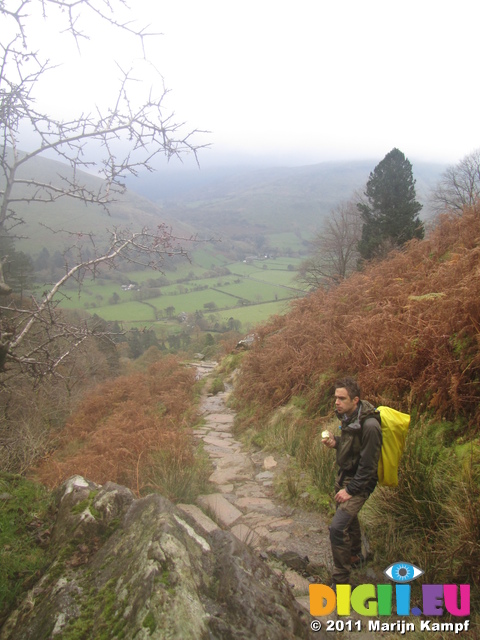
356,562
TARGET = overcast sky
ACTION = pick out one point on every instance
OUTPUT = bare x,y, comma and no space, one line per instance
306,81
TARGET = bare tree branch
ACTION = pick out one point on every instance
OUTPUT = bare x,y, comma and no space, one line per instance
459,186
335,253
111,142
124,246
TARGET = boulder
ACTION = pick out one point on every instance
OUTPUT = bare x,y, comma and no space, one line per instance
141,568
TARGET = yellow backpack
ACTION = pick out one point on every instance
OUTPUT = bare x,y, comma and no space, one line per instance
394,432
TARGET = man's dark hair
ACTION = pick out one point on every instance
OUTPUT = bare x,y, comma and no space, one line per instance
351,385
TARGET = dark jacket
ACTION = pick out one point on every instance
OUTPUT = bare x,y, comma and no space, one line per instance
358,450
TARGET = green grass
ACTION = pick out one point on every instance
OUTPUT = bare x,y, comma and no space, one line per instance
279,280
242,268
260,266
255,314
98,292
150,274
206,258
287,240
264,289
256,291
278,277
283,264
126,312
23,515
182,269
191,302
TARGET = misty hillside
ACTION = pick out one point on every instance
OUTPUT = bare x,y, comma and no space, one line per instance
69,215
270,199
235,205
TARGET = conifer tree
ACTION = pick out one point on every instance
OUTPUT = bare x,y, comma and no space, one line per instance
390,212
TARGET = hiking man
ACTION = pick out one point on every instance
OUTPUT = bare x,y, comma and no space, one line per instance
358,451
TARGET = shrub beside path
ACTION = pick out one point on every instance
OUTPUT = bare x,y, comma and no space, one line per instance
243,501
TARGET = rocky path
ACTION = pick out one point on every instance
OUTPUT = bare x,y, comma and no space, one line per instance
295,541
244,501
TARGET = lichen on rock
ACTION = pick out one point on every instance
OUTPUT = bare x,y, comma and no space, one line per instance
140,568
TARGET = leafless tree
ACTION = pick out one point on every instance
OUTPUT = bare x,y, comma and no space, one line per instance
129,135
459,186
335,253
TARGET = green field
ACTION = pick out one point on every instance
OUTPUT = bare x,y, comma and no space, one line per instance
255,314
249,294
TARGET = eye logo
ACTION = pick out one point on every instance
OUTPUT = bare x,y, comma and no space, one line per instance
402,572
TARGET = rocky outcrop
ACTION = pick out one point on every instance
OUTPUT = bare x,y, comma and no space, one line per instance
143,568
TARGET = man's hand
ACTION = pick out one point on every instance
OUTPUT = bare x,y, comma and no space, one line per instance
328,439
342,496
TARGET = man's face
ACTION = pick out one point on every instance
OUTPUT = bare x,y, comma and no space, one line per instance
343,403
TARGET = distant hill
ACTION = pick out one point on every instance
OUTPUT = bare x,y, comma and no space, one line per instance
270,199
69,215
247,207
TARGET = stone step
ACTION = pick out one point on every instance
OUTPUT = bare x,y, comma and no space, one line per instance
244,502
220,418
304,601
297,583
223,511
233,467
218,442
255,504
203,521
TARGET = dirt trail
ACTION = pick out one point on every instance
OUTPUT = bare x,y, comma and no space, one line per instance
245,504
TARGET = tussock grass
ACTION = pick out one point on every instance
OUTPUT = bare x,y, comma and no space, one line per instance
285,429
320,462
432,518
180,475
217,386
